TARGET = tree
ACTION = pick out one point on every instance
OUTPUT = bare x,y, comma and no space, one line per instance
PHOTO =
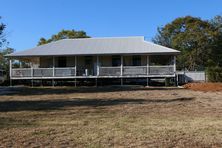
64,34
2,41
4,61
217,51
195,38
2,35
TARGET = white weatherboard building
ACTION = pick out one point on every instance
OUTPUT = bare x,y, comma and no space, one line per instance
114,57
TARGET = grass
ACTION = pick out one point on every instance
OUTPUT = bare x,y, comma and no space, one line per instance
111,118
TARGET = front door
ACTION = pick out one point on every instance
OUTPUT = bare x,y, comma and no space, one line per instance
88,65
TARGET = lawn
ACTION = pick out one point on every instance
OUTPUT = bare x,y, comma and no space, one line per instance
110,117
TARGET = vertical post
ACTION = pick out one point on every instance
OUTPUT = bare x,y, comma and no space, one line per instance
121,66
97,65
53,70
53,66
10,71
174,70
53,82
31,73
31,70
32,82
177,80
121,81
174,64
147,69
20,64
75,67
147,64
10,68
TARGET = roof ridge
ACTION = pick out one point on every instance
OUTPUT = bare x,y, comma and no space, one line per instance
105,38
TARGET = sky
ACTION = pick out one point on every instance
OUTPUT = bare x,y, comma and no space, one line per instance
29,20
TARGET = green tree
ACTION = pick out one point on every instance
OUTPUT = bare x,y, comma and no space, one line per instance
64,34
4,61
2,34
2,42
217,51
195,38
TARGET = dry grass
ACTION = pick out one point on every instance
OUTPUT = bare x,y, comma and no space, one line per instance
111,117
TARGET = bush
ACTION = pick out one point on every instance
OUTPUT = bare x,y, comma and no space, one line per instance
214,74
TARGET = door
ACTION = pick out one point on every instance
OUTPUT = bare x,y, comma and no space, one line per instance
88,65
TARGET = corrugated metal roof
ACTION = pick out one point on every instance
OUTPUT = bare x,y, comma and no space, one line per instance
97,46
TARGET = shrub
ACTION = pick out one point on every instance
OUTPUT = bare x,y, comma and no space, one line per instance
214,74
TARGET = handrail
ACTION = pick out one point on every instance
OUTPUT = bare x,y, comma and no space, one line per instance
44,68
109,66
64,67
134,66
161,66
21,68
99,67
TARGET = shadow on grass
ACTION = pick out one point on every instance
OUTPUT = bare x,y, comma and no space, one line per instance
7,106
25,91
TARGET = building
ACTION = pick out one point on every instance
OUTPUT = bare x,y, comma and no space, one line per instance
95,58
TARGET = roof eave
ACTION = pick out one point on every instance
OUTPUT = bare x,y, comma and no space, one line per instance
154,53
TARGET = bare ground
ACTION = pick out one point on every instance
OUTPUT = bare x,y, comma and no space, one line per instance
110,117
204,86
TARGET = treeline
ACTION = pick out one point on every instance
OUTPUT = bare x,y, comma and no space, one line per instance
200,43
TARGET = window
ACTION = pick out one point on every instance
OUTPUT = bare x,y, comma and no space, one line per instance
62,62
136,60
161,60
116,60
88,60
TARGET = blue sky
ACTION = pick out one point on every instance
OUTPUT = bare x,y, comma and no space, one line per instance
29,20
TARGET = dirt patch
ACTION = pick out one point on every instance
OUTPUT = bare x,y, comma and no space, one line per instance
204,86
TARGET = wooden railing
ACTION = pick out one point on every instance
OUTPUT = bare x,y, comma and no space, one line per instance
135,70
43,72
102,71
161,70
21,72
110,71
